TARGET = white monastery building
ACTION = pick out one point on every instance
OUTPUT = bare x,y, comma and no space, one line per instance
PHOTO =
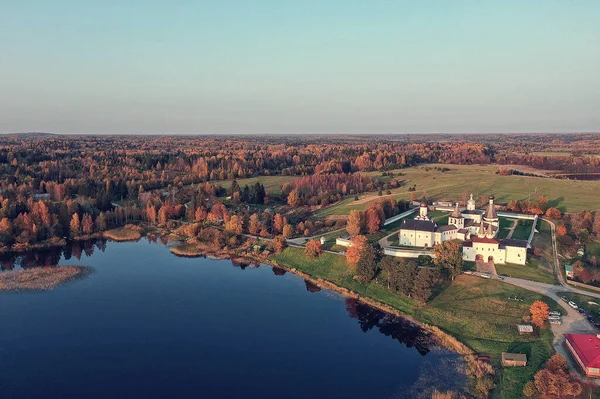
476,228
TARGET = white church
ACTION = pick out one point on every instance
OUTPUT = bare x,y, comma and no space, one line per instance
477,229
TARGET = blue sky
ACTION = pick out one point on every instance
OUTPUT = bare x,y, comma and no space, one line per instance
302,66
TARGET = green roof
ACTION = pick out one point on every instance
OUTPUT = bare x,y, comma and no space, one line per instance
568,268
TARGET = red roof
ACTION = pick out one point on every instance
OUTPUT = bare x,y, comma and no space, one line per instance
587,347
485,240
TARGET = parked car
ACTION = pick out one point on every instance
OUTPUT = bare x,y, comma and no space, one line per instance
559,321
573,305
483,358
552,317
564,298
591,319
581,310
555,313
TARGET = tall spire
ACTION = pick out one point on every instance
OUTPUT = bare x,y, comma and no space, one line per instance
481,232
490,212
456,212
489,233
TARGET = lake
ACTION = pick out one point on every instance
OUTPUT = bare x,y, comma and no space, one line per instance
148,324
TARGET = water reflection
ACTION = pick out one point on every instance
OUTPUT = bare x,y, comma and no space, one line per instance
51,256
368,318
413,374
400,329
311,287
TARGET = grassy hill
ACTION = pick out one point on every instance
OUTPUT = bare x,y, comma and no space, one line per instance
566,195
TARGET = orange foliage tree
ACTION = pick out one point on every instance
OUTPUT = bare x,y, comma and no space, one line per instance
539,313
553,213
75,225
288,231
373,220
357,246
235,225
313,249
561,230
355,223
554,379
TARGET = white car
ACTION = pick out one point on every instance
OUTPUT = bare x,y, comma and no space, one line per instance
573,305
554,317
554,313
556,321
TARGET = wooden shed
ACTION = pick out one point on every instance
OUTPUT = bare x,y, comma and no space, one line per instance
525,328
514,359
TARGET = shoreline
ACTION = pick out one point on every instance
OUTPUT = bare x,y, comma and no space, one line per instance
443,339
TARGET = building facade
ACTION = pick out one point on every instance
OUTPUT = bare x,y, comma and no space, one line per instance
477,229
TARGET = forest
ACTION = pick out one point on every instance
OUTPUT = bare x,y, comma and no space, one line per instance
56,188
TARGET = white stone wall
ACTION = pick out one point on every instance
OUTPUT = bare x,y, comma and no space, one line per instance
516,255
468,254
343,242
416,238
406,253
485,250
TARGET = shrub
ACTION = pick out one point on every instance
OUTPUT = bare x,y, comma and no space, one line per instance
529,389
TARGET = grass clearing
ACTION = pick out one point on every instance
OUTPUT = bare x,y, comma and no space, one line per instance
522,230
531,271
478,312
566,195
592,249
272,183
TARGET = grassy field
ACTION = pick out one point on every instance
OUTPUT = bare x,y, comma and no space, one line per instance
592,249
504,227
566,195
522,230
272,183
552,153
531,271
334,268
476,311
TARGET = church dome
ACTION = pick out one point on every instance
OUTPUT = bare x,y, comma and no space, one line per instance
471,203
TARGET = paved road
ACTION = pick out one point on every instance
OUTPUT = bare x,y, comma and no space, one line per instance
303,240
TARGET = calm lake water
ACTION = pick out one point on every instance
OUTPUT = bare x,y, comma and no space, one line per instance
148,324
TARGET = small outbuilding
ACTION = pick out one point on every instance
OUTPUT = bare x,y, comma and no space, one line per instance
525,329
569,271
514,359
